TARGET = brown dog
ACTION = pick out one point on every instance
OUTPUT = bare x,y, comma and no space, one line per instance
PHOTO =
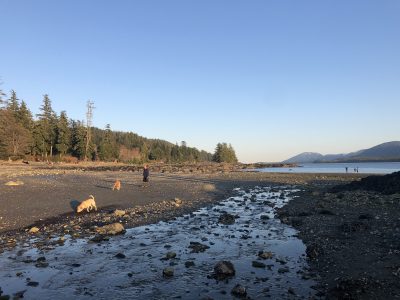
117,185
87,204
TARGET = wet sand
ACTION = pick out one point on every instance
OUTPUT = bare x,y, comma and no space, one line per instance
52,194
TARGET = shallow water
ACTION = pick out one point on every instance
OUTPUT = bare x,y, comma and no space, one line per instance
87,270
352,168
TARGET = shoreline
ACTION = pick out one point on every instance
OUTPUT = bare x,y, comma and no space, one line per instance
351,236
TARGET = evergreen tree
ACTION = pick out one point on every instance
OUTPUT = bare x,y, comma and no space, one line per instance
108,148
24,116
78,139
225,153
63,134
14,138
13,104
47,126
176,154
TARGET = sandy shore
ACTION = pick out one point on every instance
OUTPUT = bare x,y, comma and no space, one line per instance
49,195
351,236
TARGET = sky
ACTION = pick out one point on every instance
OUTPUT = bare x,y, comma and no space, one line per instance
272,78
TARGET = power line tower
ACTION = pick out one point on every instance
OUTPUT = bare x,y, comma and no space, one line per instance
89,118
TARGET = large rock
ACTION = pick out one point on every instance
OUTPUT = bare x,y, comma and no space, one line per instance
224,269
111,229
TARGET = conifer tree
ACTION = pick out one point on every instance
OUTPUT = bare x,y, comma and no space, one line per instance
47,126
224,153
63,134
24,116
107,149
78,139
13,104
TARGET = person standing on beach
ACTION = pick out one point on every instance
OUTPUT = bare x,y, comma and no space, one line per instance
146,173
347,169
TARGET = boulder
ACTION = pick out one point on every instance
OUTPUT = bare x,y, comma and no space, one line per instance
111,229
224,269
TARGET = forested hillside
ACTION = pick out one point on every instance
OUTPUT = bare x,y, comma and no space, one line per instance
52,136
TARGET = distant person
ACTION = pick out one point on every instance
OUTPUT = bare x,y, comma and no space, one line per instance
146,173
357,169
347,169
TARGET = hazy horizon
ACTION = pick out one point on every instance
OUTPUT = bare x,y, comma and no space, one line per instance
274,79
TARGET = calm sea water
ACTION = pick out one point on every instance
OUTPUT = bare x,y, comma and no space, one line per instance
364,167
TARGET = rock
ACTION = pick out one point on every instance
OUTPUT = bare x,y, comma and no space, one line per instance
178,201
170,255
224,269
32,283
257,264
197,247
18,295
291,291
119,213
265,255
99,238
41,264
34,230
283,270
111,229
14,183
239,291
226,219
189,264
168,272
264,217
120,255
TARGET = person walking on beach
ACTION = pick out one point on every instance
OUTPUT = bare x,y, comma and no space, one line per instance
146,173
347,169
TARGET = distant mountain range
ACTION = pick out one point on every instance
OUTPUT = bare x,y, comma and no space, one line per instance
383,152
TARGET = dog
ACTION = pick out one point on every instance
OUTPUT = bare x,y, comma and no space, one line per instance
87,204
117,185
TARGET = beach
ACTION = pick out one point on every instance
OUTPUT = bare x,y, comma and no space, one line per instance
350,236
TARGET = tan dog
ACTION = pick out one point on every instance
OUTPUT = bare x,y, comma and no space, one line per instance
117,185
88,204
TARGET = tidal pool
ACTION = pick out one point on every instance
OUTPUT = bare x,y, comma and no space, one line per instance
131,266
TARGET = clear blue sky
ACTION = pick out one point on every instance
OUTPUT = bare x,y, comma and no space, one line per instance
273,78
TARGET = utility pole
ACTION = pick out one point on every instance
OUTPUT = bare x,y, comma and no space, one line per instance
89,117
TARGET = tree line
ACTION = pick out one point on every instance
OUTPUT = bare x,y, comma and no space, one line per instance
50,136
